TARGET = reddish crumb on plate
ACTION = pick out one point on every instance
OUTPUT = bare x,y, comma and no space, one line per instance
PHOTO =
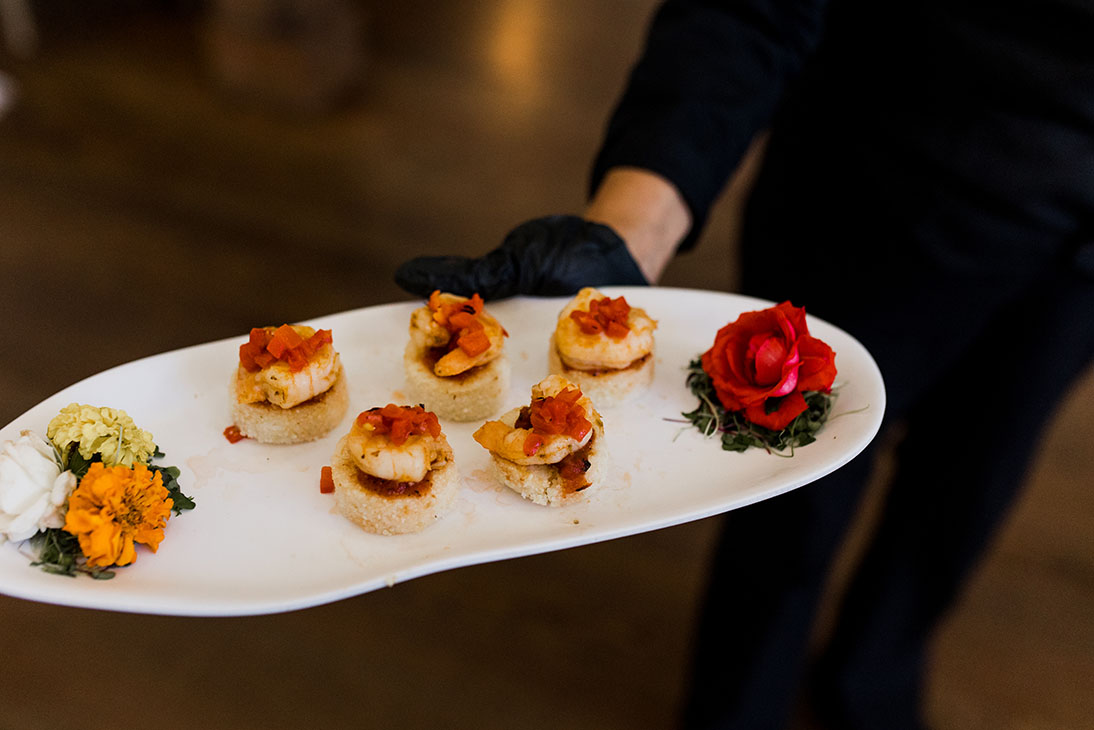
233,434
326,480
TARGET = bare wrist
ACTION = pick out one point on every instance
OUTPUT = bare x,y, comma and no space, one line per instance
647,211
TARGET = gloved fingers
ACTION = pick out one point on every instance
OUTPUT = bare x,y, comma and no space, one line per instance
552,256
492,276
558,255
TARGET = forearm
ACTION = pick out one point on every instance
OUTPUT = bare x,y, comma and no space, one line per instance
647,211
710,77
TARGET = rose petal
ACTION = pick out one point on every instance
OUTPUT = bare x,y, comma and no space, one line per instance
789,408
818,369
770,356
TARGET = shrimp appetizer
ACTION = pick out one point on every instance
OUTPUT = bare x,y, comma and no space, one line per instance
605,346
394,471
289,387
552,450
455,362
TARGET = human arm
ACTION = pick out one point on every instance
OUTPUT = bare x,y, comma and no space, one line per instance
646,211
710,78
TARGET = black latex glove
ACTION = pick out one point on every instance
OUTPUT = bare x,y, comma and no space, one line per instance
549,256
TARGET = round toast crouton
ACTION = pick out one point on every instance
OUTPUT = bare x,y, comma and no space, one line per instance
477,394
308,421
375,511
606,388
541,483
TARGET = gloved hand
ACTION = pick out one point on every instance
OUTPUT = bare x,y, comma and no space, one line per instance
550,256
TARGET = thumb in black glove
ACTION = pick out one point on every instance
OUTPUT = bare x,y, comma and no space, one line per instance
551,256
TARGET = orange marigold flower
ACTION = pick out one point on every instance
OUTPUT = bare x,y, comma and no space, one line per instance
112,508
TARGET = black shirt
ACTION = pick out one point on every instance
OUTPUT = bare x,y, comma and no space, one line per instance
949,119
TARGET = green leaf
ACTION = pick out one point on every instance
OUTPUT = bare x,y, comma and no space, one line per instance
738,433
59,553
170,477
78,465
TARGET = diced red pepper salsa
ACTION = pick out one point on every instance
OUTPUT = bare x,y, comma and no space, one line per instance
605,315
462,320
559,414
401,422
442,311
571,471
233,434
267,345
326,480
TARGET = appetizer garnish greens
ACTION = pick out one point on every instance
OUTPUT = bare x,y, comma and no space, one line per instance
86,495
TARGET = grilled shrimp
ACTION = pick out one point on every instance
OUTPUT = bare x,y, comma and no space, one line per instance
455,322
375,454
599,351
280,385
512,443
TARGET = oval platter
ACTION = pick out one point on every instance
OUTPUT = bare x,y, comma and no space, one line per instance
263,539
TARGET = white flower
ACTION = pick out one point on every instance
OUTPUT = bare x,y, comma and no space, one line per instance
33,489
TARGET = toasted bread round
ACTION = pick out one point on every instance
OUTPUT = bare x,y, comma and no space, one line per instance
541,483
472,396
605,388
307,421
385,514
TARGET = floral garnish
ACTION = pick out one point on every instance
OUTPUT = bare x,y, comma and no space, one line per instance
85,499
105,433
33,487
115,507
765,382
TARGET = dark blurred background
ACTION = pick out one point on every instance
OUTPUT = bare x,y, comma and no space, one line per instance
173,172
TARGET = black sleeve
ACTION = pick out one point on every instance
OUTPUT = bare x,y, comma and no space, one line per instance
709,79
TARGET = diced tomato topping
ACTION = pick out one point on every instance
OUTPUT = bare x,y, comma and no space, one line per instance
532,442
443,311
233,434
326,480
605,315
285,339
267,345
401,422
475,342
558,414
462,320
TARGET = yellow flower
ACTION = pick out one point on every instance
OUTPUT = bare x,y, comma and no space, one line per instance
108,432
112,508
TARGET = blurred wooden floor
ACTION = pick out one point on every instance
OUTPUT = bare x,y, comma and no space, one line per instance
143,209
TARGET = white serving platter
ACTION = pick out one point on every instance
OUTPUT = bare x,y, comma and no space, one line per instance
263,539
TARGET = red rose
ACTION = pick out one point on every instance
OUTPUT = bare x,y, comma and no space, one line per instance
769,354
